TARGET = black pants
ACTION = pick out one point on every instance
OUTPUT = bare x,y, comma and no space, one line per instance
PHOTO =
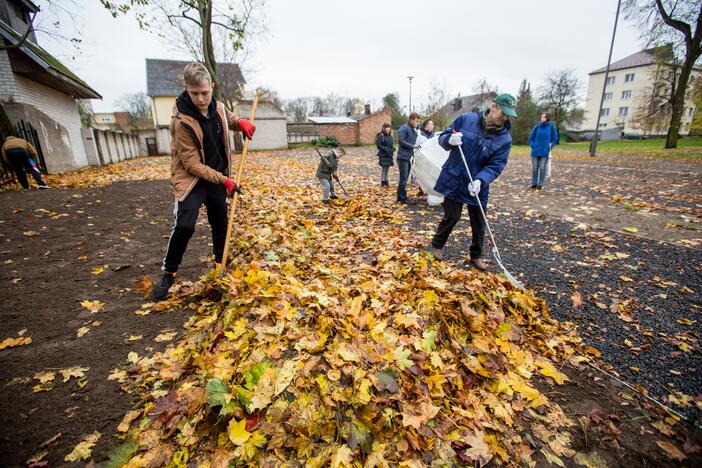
452,214
214,196
404,166
19,161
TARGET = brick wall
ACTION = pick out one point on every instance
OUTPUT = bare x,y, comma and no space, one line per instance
347,134
371,125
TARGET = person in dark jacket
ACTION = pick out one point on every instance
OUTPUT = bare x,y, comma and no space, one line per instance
20,155
427,129
326,170
407,136
386,149
486,142
542,139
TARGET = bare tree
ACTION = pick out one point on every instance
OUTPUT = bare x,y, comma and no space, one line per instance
354,106
560,96
676,22
654,106
335,104
435,104
138,108
266,94
297,110
194,24
483,87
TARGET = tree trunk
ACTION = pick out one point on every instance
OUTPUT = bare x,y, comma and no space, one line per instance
678,103
205,11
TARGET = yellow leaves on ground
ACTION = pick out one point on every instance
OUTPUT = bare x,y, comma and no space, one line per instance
12,342
84,449
93,306
335,341
237,432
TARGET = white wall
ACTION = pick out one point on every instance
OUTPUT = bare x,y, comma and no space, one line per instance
58,106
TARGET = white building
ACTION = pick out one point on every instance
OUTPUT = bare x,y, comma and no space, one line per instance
38,90
628,95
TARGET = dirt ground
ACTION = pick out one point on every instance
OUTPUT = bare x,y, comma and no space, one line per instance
55,244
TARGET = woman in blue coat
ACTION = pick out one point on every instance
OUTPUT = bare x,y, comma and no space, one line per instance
542,138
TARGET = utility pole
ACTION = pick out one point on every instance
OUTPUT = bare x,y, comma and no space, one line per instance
410,96
593,145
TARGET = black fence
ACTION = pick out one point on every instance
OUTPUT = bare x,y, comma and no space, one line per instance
29,133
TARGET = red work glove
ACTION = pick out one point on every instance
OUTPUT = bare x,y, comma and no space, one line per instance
231,187
247,128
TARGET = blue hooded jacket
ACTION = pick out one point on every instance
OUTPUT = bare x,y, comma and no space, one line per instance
540,137
407,138
486,154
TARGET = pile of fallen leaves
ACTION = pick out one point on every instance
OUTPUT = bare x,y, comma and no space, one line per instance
334,340
151,168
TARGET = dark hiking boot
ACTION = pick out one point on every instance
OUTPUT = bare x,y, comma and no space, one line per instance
326,202
479,264
533,187
160,292
539,187
334,196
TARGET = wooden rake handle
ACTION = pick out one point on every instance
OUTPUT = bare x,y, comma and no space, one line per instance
222,267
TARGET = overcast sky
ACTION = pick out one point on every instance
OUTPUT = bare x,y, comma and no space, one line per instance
368,48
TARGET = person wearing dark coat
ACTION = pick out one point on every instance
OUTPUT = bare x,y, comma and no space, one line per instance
386,149
486,142
427,129
407,137
542,139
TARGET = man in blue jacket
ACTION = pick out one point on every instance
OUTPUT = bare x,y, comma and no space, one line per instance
407,136
485,139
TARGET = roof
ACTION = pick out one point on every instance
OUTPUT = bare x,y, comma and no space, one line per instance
56,75
266,110
639,59
163,77
362,116
466,104
331,120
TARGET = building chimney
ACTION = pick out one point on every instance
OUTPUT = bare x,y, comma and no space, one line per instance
368,111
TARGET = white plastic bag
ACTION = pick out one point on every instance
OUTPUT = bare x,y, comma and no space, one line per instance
548,166
429,156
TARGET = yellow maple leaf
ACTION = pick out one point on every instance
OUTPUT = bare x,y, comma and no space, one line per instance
12,342
93,306
84,449
548,369
237,432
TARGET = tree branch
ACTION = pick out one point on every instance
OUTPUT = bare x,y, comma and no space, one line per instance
673,23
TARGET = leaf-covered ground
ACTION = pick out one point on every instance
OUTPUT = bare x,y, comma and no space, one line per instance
337,340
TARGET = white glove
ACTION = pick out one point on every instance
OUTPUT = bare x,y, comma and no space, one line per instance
474,187
456,139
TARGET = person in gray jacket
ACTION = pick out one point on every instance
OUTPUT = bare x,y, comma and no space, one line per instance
326,170
407,136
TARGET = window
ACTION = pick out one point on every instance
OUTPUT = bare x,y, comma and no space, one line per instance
602,125
604,112
608,96
629,77
610,80
626,94
623,110
621,126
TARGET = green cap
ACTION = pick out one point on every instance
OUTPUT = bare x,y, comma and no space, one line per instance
508,103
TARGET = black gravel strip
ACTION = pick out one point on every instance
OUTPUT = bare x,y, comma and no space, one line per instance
632,288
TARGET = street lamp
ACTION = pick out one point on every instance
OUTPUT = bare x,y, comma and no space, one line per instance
410,96
593,145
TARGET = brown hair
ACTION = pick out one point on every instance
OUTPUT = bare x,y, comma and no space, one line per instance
385,125
194,73
548,117
413,116
341,150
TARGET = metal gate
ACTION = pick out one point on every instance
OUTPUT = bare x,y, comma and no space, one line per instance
29,133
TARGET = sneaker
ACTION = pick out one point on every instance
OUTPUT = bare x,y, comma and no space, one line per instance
334,196
326,202
160,292
539,187
479,264
43,187
437,253
533,187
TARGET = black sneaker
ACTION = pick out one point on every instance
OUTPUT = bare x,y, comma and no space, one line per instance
539,187
334,196
160,292
533,187
43,187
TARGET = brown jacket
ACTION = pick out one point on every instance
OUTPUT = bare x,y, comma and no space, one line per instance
187,153
14,142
